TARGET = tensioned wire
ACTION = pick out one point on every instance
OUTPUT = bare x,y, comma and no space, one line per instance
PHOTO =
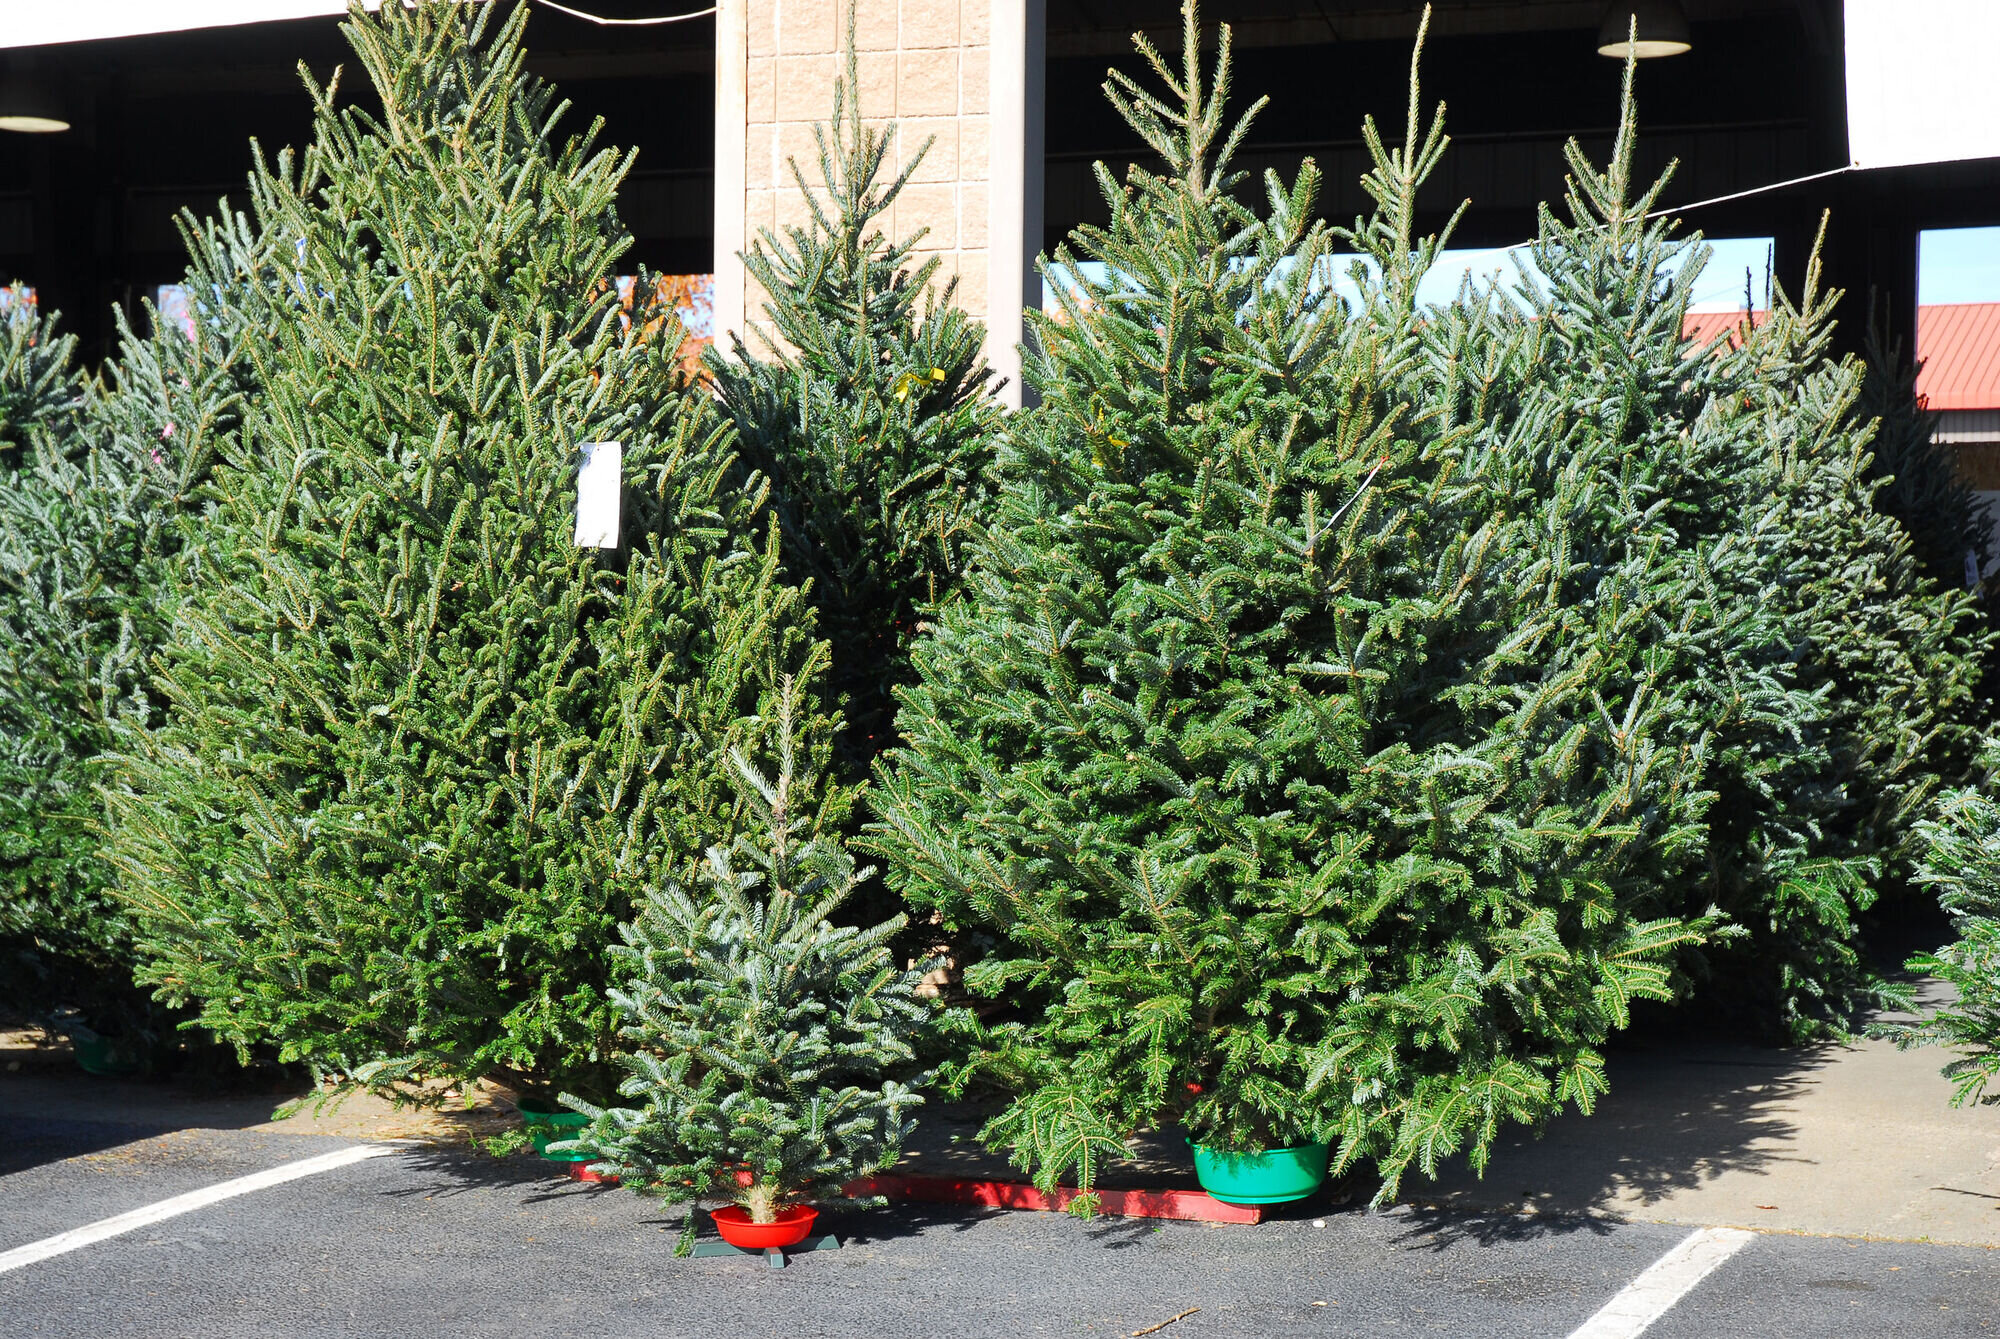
626,23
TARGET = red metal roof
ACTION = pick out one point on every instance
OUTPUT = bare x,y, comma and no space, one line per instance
1959,343
1704,328
1960,346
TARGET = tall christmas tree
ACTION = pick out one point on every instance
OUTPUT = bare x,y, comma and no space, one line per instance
53,930
1950,530
1580,377
869,407
422,753
1894,657
1826,680
103,487
1310,791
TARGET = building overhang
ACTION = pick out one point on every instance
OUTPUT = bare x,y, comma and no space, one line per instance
95,20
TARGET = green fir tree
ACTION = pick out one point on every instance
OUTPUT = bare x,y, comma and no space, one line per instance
1920,484
1579,376
1312,789
1894,656
1827,683
103,489
763,1040
1961,860
870,408
39,382
421,753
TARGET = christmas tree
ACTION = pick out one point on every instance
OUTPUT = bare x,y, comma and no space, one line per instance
38,379
421,752
1839,682
762,1038
1893,657
868,406
1920,484
1309,786
1579,378
55,934
1961,860
103,490
1826,684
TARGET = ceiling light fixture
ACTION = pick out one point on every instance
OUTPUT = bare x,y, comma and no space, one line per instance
1643,28
29,106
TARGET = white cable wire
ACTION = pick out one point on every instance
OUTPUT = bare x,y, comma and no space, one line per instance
1756,190
1698,204
611,23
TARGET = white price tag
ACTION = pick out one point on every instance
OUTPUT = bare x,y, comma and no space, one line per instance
598,493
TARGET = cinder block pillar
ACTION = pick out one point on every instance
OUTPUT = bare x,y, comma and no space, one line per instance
964,74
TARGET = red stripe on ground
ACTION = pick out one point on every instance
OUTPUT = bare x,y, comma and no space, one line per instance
1187,1205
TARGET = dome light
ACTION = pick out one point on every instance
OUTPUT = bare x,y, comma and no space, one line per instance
1643,28
29,106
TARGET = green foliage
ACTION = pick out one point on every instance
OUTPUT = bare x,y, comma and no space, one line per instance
869,409
1304,746
419,753
761,1035
56,933
1890,659
1920,484
39,384
1827,682
1961,859
103,485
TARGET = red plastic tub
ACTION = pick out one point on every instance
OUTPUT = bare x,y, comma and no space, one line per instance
792,1227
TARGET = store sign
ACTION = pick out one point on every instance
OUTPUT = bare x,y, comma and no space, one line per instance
1920,81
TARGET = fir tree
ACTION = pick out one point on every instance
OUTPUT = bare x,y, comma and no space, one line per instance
1894,657
1579,378
1827,682
53,930
38,377
421,754
762,1038
1310,792
1961,860
93,531
869,407
1920,484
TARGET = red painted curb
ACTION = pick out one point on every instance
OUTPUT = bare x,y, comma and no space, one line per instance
1187,1205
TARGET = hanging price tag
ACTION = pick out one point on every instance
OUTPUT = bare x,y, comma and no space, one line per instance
598,494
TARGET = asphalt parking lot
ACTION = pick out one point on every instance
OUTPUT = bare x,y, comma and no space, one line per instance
422,1242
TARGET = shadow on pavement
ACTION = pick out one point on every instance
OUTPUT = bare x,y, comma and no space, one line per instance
50,1110
1676,1118
446,1170
1441,1229
905,1218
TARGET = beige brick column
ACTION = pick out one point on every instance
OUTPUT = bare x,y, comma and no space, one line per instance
965,74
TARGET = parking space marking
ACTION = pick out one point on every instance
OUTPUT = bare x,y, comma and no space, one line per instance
1667,1280
180,1204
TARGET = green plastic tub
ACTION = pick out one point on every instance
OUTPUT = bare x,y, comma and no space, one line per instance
547,1124
1274,1176
105,1056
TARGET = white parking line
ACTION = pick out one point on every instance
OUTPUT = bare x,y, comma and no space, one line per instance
1667,1280
180,1204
